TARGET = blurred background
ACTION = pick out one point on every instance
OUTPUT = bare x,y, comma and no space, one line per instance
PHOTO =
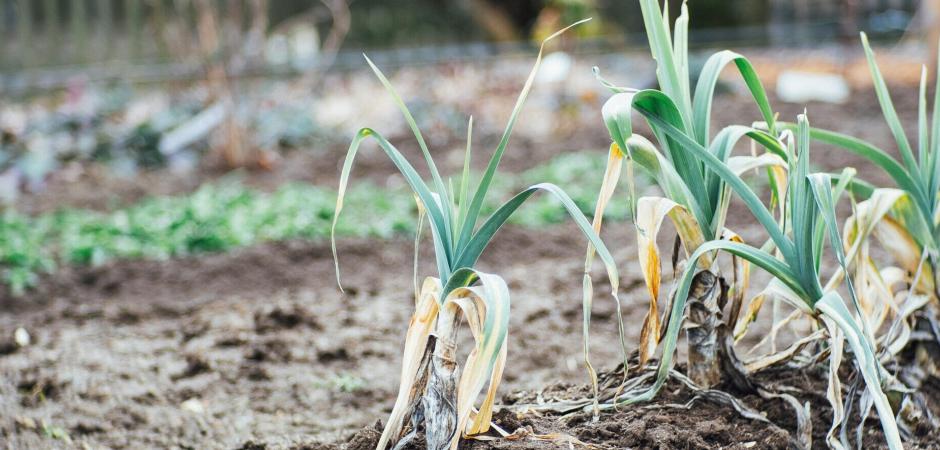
106,104
150,40
86,61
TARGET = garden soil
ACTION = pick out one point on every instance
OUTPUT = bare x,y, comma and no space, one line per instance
259,349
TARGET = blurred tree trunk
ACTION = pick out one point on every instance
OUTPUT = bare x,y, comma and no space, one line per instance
341,20
232,143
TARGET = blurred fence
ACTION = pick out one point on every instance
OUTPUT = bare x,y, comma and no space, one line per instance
44,33
43,41
808,20
51,32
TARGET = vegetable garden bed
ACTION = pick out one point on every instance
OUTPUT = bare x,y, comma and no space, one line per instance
256,348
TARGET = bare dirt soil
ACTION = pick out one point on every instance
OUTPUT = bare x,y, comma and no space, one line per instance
677,419
258,349
259,344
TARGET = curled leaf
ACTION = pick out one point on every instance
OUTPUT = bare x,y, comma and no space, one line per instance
651,211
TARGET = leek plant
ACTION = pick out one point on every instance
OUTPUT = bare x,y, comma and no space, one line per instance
792,259
905,219
434,391
694,197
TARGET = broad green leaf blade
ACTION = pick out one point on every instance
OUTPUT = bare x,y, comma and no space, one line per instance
721,147
923,140
645,154
472,251
705,92
670,80
435,175
617,116
744,191
821,185
822,191
681,49
485,234
874,154
934,156
803,214
690,169
833,307
431,205
463,277
473,212
617,111
891,116
464,195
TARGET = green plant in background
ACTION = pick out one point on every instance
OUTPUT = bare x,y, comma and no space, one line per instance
56,432
695,198
227,214
434,389
23,254
342,382
216,217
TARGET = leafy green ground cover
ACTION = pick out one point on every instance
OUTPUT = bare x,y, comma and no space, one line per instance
226,214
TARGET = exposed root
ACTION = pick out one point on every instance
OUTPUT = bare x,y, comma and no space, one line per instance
637,384
526,433
804,422
914,417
